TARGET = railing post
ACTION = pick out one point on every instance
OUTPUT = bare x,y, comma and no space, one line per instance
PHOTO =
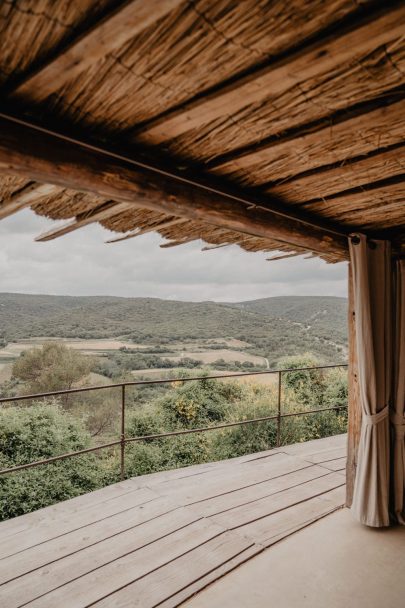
123,431
279,411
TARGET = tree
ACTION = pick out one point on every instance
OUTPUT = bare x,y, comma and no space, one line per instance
52,367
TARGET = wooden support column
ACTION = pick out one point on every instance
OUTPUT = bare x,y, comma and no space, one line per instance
354,415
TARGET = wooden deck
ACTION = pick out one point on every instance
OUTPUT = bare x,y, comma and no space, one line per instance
158,539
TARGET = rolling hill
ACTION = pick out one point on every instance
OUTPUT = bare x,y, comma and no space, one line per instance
273,326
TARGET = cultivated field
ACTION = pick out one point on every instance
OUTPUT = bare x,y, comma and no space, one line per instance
210,356
162,373
206,351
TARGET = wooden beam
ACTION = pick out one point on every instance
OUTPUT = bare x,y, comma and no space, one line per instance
179,242
107,210
354,411
141,231
30,194
210,247
293,254
334,143
343,176
44,156
108,35
271,82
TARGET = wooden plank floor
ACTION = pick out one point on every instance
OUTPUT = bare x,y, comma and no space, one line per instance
158,539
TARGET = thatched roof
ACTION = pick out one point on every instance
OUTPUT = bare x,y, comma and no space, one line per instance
298,107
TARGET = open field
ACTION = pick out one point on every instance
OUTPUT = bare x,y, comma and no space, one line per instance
202,351
162,373
14,349
210,356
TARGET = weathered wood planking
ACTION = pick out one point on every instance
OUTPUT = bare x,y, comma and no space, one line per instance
131,566
69,521
263,489
337,464
94,562
68,507
190,491
269,530
281,524
136,544
333,75
325,456
39,555
195,569
240,516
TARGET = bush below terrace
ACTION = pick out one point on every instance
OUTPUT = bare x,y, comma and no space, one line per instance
35,433
41,431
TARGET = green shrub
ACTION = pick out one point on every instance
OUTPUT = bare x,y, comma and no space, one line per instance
42,431
200,402
39,432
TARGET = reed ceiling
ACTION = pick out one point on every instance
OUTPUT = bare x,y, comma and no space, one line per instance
295,104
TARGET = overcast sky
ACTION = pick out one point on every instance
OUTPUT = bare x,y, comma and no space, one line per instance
82,264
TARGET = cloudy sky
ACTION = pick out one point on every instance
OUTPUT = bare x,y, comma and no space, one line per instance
82,264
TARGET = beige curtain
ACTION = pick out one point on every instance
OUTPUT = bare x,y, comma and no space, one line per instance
398,405
372,287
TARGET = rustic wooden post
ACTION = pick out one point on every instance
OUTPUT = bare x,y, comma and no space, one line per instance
354,413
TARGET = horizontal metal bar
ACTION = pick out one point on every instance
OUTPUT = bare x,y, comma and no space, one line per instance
163,435
164,381
172,433
37,463
228,424
199,430
324,409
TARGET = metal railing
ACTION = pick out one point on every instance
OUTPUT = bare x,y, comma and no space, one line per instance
123,440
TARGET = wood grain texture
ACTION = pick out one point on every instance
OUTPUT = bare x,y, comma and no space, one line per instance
298,101
156,227
38,556
70,165
25,197
102,39
354,411
372,208
196,47
30,31
58,526
332,75
158,539
335,143
353,173
109,209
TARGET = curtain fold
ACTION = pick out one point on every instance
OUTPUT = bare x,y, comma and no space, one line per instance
372,285
398,405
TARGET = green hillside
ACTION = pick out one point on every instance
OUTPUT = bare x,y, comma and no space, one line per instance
273,326
322,315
